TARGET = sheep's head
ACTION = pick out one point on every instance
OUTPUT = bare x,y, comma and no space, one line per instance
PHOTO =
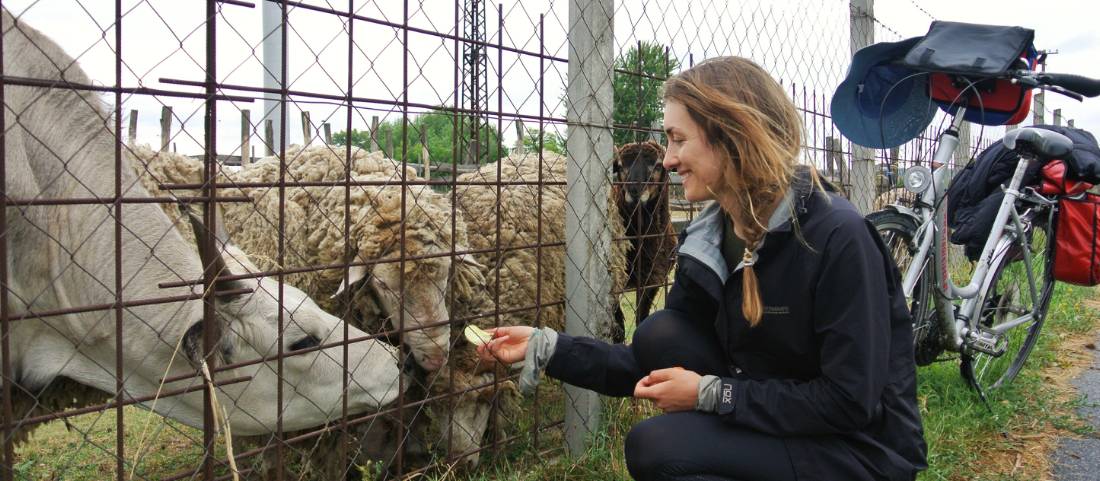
248,327
409,275
638,167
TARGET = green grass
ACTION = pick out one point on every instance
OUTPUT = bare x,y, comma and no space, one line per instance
966,440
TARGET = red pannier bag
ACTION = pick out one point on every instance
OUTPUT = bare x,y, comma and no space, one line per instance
1076,246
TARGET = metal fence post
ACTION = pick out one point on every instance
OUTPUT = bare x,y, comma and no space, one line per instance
862,33
273,66
587,237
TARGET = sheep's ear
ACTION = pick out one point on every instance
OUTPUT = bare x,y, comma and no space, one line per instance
468,259
355,274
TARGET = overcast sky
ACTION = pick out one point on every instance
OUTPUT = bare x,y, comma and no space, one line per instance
802,42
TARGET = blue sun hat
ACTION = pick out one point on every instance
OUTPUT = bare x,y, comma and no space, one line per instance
882,104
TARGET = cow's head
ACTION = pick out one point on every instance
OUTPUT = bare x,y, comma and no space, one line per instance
247,327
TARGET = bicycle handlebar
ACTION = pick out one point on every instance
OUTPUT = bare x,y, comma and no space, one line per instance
1075,83
1070,85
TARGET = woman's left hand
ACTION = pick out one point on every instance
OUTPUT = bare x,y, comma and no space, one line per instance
672,389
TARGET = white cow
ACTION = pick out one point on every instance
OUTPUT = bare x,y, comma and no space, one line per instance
58,144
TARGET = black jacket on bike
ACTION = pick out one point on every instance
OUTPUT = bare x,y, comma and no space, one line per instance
829,369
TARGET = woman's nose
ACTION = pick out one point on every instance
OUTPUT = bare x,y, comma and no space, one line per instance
670,161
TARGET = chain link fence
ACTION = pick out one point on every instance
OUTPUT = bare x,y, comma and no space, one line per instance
242,240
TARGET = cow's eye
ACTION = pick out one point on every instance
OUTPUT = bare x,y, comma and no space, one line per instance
305,343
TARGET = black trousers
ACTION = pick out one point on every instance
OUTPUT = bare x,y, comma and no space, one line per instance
691,445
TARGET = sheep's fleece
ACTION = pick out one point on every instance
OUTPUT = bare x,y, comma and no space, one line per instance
314,236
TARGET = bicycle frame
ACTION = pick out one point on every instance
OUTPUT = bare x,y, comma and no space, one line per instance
960,327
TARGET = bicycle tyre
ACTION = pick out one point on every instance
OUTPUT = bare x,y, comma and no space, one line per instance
897,231
1008,293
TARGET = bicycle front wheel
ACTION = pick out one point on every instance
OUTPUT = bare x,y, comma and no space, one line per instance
1009,298
897,231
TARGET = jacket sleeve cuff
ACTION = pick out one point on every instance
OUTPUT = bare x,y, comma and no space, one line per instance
727,395
540,349
707,399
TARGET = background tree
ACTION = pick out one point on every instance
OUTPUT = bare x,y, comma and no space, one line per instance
439,128
638,98
551,141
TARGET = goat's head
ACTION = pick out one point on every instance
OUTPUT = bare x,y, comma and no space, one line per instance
248,327
638,168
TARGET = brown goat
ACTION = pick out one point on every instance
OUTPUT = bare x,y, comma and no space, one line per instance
641,192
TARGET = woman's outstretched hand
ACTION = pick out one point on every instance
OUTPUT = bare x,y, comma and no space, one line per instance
672,389
508,345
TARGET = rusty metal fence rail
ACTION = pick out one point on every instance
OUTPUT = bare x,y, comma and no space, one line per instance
220,294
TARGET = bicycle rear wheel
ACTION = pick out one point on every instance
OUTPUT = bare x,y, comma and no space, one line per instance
1008,297
897,231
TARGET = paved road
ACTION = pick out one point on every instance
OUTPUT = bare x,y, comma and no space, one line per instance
1079,459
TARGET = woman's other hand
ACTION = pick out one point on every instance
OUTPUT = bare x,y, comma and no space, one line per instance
508,345
672,389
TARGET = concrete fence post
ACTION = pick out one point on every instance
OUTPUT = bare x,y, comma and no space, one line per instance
246,137
165,127
374,136
132,137
862,33
587,236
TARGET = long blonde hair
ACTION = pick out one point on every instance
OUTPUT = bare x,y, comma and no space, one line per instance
756,133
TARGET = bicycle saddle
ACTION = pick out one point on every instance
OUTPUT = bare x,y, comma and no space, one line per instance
1045,144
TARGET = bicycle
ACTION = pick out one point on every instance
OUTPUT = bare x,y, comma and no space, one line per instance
994,321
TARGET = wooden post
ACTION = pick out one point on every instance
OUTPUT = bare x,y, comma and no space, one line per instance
589,97
307,129
1069,123
328,133
269,137
246,137
374,136
1058,117
165,127
133,126
425,158
520,134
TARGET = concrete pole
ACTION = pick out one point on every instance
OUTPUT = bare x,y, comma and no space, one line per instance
1069,123
520,134
165,127
1058,117
862,33
589,97
132,137
425,158
373,134
269,137
963,150
307,129
327,127
273,67
246,137
1037,109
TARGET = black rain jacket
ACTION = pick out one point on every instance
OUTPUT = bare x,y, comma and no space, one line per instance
830,367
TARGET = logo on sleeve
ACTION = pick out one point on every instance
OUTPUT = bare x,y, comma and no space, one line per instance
727,393
777,310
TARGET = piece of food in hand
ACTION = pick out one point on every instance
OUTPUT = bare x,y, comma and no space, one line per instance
476,335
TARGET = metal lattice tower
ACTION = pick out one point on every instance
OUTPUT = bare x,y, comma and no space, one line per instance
475,90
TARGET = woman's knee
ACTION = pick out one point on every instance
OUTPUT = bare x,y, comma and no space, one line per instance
644,451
